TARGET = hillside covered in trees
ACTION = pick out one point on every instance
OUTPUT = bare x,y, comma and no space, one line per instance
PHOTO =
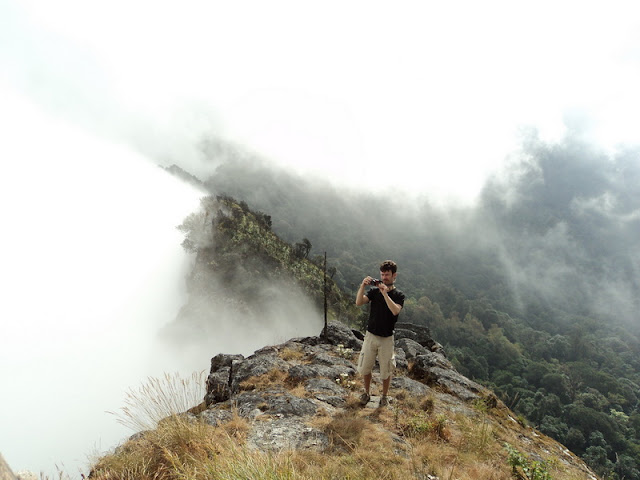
533,291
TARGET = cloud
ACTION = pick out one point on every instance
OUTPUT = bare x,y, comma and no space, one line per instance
567,227
411,96
92,268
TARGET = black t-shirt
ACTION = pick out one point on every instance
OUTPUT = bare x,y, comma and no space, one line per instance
381,320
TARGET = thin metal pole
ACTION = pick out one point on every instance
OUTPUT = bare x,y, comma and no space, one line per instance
325,296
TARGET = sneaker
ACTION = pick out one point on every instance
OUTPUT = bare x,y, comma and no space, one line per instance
384,401
364,399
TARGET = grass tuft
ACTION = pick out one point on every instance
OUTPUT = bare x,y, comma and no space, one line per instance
160,398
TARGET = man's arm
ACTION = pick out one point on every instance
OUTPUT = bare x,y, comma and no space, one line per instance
393,306
361,298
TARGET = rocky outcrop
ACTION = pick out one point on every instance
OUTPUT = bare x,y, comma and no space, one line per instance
258,387
283,393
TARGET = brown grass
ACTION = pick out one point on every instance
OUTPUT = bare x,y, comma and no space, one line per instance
292,355
264,382
411,438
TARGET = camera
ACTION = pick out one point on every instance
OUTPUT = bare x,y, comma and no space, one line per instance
375,282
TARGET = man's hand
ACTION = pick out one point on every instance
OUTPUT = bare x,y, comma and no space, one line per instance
383,288
361,298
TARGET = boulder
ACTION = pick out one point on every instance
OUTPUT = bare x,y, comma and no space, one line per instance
411,348
286,434
419,334
324,385
340,334
414,387
224,360
218,389
304,372
436,371
254,366
278,403
323,358
215,417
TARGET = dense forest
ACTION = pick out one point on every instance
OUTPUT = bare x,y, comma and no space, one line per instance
533,291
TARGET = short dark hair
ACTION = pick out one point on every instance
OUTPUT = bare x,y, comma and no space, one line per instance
388,265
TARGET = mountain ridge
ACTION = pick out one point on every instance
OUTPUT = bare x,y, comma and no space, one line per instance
570,369
299,400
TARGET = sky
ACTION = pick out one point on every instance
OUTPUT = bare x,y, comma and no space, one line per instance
422,97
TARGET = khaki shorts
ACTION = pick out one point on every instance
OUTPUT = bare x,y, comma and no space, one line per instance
383,348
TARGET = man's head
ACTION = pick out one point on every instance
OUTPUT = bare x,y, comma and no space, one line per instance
388,272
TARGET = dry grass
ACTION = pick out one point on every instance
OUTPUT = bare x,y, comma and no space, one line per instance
160,398
266,381
362,446
412,438
292,355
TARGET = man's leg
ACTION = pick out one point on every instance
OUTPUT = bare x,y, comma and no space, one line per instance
367,382
385,385
387,364
365,366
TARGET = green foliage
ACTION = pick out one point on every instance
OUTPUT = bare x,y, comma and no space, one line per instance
228,237
540,345
523,467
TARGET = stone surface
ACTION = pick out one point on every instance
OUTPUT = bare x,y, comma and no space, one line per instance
321,373
278,403
411,348
224,360
340,334
435,370
254,366
304,372
218,389
414,387
286,434
419,334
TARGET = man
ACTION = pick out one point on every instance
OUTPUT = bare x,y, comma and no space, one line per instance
386,302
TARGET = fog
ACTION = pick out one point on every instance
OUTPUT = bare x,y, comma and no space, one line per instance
365,104
93,274
92,268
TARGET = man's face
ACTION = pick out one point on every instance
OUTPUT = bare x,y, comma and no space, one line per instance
387,277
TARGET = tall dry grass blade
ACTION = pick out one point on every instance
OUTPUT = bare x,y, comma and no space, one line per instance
160,398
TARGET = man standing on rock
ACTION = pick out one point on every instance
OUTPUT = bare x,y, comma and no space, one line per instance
386,302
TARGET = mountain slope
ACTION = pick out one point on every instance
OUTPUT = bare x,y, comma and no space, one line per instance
291,411
570,373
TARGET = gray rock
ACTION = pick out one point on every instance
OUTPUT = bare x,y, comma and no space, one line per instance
456,384
418,333
304,372
215,417
223,360
435,370
411,348
254,366
275,403
324,385
218,389
323,358
340,334
431,359
414,387
286,434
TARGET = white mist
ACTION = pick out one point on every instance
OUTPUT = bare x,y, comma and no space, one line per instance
92,267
